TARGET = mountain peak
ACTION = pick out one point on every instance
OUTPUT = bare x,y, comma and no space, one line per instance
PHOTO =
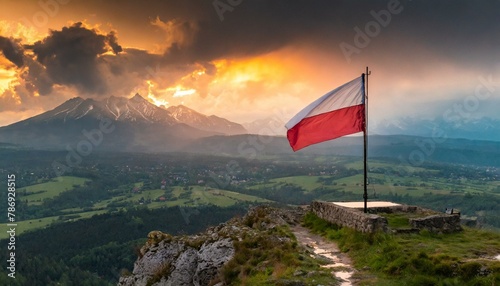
180,108
134,110
75,99
137,97
192,117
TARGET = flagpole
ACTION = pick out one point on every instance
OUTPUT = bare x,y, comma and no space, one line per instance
365,139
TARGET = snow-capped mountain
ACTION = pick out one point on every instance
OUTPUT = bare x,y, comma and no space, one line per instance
209,123
138,109
135,109
136,125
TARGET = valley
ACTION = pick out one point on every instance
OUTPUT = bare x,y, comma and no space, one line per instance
202,143
171,180
114,199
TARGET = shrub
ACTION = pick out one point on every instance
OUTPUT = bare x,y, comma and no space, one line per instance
469,270
445,269
421,280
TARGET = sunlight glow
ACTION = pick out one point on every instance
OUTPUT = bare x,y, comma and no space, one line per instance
19,31
6,77
180,92
152,97
250,70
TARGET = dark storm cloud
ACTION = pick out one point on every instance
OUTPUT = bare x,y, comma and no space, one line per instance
113,43
71,57
459,30
250,28
36,78
11,51
256,27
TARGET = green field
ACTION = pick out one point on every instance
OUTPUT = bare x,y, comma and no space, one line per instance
224,198
418,184
32,224
308,183
393,185
372,164
385,184
198,195
35,194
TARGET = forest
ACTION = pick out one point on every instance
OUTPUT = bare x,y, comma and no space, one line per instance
87,224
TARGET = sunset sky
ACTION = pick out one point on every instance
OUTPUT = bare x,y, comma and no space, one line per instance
251,59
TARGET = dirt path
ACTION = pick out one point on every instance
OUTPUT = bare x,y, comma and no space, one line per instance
340,263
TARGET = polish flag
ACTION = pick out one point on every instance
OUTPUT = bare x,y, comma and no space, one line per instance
338,113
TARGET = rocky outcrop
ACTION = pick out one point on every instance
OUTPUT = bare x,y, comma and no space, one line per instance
198,259
190,260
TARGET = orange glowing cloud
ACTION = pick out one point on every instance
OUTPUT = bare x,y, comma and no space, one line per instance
243,88
6,78
19,31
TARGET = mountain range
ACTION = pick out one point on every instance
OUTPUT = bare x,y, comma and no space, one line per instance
266,126
406,151
119,123
135,124
484,128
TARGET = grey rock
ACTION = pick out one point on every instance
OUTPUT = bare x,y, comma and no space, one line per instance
184,269
211,257
174,263
299,272
198,259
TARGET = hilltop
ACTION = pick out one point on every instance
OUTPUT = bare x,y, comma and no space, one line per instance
256,249
261,248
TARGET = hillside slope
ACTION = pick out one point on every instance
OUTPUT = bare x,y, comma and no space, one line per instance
258,249
261,249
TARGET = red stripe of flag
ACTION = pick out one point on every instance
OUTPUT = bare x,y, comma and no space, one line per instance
338,113
327,126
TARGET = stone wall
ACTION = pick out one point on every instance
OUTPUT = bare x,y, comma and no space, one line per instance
348,217
400,209
355,218
442,223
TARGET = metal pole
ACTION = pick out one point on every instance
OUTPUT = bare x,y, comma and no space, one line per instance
365,138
